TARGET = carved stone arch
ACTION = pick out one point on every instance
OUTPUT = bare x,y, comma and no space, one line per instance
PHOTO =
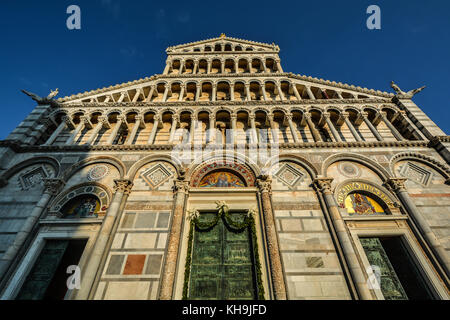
239,81
91,112
156,157
277,108
171,83
165,110
223,108
68,173
375,167
258,81
202,109
74,112
196,82
110,112
346,108
131,110
270,80
56,112
440,167
185,109
239,164
164,82
102,192
296,108
258,108
201,82
369,107
314,108
304,163
387,200
224,80
149,110
5,176
333,108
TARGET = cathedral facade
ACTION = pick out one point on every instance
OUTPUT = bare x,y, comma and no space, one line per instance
226,177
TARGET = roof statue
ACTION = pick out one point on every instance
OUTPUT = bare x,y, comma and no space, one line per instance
41,101
403,94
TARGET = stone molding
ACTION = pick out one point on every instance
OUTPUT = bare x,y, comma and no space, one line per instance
123,185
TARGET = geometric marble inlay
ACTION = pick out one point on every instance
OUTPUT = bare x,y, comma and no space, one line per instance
289,175
349,170
155,176
98,172
33,177
416,173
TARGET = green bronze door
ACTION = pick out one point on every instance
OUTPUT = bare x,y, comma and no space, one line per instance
390,284
41,275
222,265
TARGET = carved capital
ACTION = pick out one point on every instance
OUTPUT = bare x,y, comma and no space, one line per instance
323,184
397,184
53,186
288,117
180,186
264,184
123,185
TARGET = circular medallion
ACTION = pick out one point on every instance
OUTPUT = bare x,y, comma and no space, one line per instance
98,172
349,169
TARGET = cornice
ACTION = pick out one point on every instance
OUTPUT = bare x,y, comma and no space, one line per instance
167,147
231,53
247,75
180,46
255,103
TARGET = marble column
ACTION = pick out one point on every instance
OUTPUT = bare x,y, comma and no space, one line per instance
310,94
263,89
150,95
323,185
199,91
212,128
156,122
52,187
247,91
372,128
264,185
233,118
115,131
166,93
297,95
279,69
214,92
137,124
232,92
253,129
167,68
56,133
332,127
209,62
398,185
96,130
122,188
192,129
413,126
280,92
173,127
181,189
264,66
236,66
312,128
182,89
194,71
273,130
83,121
292,128
391,127
349,124
222,66
182,63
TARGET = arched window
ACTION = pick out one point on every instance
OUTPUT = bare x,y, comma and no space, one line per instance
83,206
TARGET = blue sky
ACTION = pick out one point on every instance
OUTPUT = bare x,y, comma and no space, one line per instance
122,41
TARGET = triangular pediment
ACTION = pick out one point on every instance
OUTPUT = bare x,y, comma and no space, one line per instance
223,41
